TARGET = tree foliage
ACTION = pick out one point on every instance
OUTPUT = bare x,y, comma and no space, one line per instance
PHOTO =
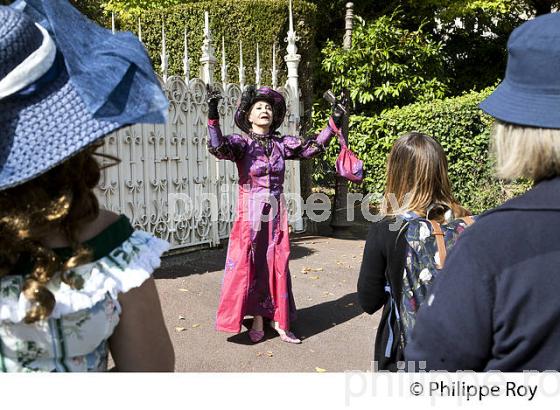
450,9
387,65
133,8
474,34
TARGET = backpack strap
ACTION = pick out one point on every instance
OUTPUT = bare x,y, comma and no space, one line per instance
394,315
469,220
440,242
393,311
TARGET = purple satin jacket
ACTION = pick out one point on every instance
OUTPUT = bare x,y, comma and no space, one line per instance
257,170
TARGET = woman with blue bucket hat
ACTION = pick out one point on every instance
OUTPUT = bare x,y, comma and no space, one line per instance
75,281
495,306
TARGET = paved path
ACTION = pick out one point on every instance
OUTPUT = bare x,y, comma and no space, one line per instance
337,335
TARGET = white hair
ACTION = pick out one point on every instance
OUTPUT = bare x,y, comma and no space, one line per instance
525,152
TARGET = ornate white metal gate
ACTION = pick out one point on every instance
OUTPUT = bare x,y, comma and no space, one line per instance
167,182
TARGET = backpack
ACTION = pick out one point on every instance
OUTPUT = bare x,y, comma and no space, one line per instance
427,245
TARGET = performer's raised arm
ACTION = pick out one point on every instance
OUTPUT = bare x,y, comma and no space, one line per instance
230,147
297,148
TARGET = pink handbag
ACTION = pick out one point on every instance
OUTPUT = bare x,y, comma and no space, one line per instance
348,165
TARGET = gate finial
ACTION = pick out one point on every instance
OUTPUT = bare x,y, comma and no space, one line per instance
164,55
186,60
258,69
208,61
241,67
292,59
139,30
224,65
274,70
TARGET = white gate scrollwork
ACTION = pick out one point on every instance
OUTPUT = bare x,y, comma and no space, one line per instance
166,182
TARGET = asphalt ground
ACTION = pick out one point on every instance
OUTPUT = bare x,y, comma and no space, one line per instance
337,336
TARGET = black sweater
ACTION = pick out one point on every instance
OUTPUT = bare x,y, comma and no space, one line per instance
383,261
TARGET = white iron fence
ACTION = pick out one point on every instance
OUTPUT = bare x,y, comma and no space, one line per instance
158,162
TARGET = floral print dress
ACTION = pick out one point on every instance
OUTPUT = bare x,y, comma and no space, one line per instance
75,336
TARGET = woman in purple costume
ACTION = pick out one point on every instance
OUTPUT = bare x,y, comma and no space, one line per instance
257,279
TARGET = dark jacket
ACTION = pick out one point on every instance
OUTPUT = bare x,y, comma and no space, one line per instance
383,261
496,304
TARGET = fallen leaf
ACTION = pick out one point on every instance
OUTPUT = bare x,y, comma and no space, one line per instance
195,325
320,370
180,329
269,354
183,290
308,269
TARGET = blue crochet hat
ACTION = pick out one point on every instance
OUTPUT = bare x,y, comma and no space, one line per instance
65,82
530,92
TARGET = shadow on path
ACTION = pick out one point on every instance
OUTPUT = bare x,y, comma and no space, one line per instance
212,260
318,318
311,320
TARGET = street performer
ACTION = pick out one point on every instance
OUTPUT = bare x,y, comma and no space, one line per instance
257,279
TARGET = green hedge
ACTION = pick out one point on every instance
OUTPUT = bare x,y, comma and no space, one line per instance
252,21
457,123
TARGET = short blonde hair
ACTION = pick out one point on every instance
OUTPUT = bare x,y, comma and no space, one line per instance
525,152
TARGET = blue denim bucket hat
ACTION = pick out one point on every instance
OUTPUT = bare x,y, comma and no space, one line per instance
530,93
66,82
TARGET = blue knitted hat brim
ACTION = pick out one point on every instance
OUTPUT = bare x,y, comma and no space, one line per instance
44,129
98,83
